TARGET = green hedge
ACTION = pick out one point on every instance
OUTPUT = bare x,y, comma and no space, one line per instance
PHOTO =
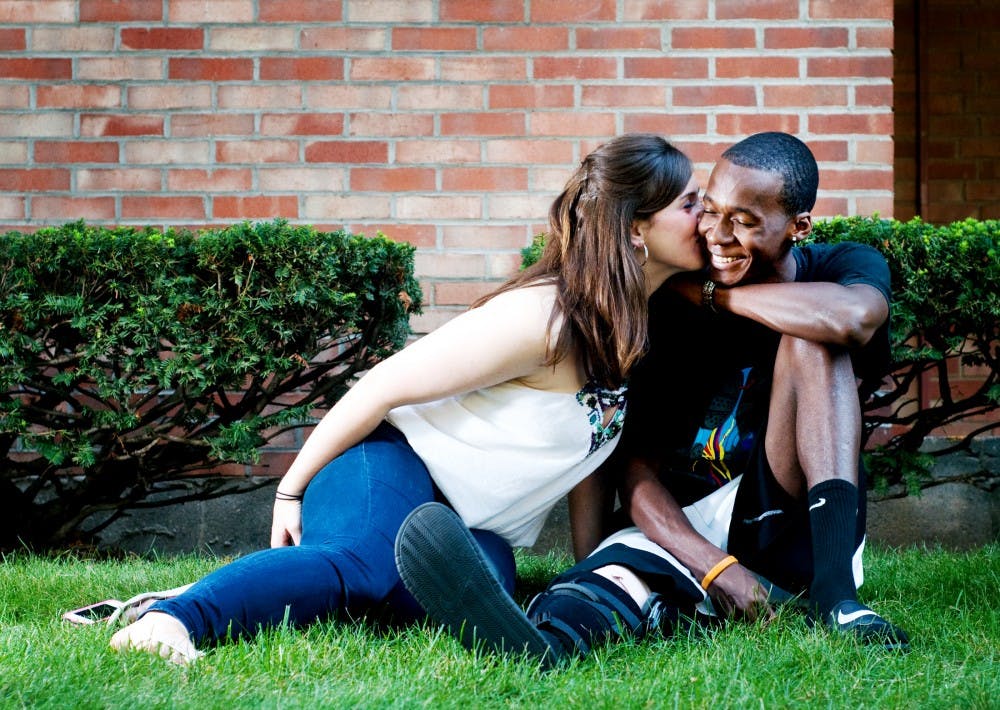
130,358
945,312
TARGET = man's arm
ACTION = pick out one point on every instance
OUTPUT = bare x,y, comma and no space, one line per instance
657,514
822,312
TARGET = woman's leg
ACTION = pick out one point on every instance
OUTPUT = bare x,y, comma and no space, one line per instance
345,563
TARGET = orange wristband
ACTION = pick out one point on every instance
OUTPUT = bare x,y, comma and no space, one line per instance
719,568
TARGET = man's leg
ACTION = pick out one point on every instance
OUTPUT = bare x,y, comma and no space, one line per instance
812,443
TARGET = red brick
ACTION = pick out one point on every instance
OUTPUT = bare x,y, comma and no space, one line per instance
855,179
118,180
668,10
736,67
276,96
482,11
79,96
716,38
343,208
837,67
347,96
300,11
119,68
436,96
449,266
171,97
579,11
512,151
484,237
50,124
578,123
199,69
805,37
461,293
12,208
756,9
166,208
256,151
433,206
166,152
79,38
868,124
36,180
483,68
437,152
19,12
576,67
714,95
391,11
875,37
220,180
391,124
628,38
873,95
624,96
482,124
396,69
870,205
120,10
488,179
666,68
347,152
12,40
807,96
188,125
199,11
392,179
419,235
667,124
169,38
65,209
301,179
17,96
117,125
36,68
741,124
75,152
256,207
519,39
265,39
829,206
829,151
302,68
343,39
302,124
434,39
855,9
531,96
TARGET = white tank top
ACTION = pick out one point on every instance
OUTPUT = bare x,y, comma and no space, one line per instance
504,455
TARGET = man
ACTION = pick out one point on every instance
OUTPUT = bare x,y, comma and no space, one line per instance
740,463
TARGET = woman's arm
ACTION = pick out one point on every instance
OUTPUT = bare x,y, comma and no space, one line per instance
502,340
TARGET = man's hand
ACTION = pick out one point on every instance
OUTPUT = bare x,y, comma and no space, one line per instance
736,592
286,524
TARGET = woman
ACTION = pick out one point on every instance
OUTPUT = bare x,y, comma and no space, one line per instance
498,413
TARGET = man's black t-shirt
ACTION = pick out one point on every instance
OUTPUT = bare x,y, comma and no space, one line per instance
698,400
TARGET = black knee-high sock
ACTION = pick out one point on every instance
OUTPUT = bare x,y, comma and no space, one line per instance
833,517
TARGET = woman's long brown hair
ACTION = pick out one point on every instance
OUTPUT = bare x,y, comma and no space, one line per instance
588,254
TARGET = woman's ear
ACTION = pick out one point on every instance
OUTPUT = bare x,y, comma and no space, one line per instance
638,233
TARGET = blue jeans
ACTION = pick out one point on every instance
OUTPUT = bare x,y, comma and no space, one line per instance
345,563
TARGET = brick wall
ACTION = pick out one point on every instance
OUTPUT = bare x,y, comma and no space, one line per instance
447,123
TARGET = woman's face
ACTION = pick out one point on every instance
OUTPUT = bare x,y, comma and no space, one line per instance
671,235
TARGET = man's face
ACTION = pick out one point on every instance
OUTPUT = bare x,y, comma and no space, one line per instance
746,230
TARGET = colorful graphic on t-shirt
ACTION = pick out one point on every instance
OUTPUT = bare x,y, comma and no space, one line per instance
723,444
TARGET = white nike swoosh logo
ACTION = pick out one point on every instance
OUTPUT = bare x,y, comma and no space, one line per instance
843,618
818,504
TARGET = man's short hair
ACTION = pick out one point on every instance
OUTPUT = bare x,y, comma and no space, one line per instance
789,157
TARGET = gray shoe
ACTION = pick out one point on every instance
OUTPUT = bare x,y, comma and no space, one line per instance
443,567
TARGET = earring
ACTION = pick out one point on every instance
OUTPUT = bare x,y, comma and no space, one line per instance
645,254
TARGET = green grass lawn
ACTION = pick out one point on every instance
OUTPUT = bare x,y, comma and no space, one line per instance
949,602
